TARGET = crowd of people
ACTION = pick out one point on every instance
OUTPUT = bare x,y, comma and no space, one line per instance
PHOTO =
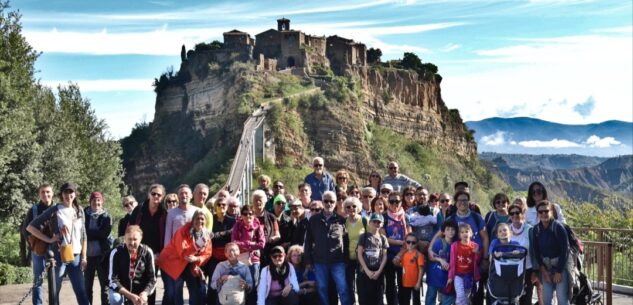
334,242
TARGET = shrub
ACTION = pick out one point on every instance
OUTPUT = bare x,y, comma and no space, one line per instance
10,274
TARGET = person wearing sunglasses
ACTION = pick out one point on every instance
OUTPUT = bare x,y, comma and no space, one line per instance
342,180
521,234
395,228
298,223
151,217
278,189
326,250
551,251
374,180
537,193
356,225
498,215
171,201
368,194
129,203
372,259
398,180
249,236
278,284
283,220
319,180
222,229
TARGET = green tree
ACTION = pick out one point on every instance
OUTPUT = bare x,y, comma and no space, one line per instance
373,55
411,61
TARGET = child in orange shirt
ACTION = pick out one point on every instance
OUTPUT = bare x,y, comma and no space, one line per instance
412,271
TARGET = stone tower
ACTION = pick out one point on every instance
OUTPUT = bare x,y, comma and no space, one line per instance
283,24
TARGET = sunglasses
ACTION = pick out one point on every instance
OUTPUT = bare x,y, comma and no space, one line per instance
409,194
514,213
350,207
154,194
247,214
394,201
315,210
276,256
329,201
543,211
318,165
445,200
341,178
392,167
171,201
374,176
294,207
279,186
367,196
221,204
280,203
500,202
385,191
411,242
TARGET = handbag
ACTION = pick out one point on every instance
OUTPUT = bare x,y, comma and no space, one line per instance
38,246
66,253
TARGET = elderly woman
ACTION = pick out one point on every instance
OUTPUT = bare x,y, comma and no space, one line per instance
356,226
278,284
69,240
499,215
98,228
267,220
188,250
342,180
305,278
171,201
551,251
134,289
129,203
249,236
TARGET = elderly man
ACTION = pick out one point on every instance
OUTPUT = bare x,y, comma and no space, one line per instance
129,203
397,180
367,195
298,222
320,181
326,250
200,194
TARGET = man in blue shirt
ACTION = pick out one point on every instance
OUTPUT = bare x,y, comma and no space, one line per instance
319,180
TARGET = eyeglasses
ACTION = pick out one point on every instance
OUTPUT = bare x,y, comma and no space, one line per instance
537,191
394,201
171,201
445,200
276,256
247,214
279,186
329,201
220,204
350,207
543,211
514,213
317,165
294,207
411,242
409,194
500,202
374,176
341,178
385,191
367,196
315,210
280,202
154,194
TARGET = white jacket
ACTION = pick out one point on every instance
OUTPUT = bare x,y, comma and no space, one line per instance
264,283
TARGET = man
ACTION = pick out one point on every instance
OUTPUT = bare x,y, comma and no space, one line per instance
319,180
278,189
397,180
385,190
298,223
231,278
268,220
129,203
422,198
461,186
45,194
283,220
367,195
326,246
200,194
181,215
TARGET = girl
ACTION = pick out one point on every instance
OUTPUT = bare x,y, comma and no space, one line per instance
439,260
504,236
412,271
463,269
372,259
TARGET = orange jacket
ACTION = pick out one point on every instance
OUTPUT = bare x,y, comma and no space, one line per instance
172,258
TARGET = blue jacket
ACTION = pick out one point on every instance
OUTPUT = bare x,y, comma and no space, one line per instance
320,186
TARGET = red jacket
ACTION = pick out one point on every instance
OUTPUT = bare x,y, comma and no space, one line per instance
172,258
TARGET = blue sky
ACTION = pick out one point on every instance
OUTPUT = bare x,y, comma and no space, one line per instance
559,60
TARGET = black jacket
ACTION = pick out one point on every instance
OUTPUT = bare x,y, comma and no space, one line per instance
144,272
326,241
102,232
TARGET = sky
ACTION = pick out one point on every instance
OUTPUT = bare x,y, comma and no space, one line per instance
564,61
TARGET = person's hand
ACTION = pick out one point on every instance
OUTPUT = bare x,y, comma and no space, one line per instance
191,258
444,264
286,291
534,278
449,282
143,297
557,277
546,277
497,253
55,238
417,286
242,284
83,264
137,300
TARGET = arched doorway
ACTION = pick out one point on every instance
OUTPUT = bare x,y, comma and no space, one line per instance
291,62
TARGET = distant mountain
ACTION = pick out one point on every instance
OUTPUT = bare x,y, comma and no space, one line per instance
533,136
609,183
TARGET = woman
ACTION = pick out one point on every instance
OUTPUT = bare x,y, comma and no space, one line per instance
395,228
151,217
129,204
171,201
409,200
136,259
356,226
551,250
98,226
249,236
222,229
375,180
378,205
188,250
434,202
521,232
342,180
444,210
353,191
278,283
306,279
264,182
340,198
69,238
537,193
499,215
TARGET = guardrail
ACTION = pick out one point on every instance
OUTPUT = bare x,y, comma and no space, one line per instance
598,266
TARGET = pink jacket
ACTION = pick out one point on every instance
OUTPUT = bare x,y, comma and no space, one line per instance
453,260
243,234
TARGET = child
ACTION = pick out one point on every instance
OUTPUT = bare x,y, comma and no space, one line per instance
439,258
412,271
231,278
372,258
504,234
463,268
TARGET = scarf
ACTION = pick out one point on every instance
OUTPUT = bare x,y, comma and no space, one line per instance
279,274
397,216
518,231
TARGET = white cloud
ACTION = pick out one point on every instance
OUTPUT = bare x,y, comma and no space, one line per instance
596,141
451,47
555,143
496,139
622,29
106,85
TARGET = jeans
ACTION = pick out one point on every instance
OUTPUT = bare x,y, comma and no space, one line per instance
562,290
350,278
38,263
431,296
393,279
370,292
95,265
337,270
251,297
73,269
196,286
172,286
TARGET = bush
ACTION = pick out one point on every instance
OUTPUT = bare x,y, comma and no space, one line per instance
10,274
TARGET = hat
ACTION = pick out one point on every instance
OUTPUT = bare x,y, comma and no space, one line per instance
94,195
68,186
386,186
279,198
376,217
277,249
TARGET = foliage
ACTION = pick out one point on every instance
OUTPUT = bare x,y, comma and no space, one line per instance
214,45
373,55
10,274
426,71
171,78
183,53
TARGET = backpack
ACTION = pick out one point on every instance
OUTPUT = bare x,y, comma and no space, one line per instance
576,248
230,293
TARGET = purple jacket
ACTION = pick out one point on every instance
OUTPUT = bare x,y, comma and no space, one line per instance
243,234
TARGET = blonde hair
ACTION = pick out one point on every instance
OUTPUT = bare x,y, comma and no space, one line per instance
133,228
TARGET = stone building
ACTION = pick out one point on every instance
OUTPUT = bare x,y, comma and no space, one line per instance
344,53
